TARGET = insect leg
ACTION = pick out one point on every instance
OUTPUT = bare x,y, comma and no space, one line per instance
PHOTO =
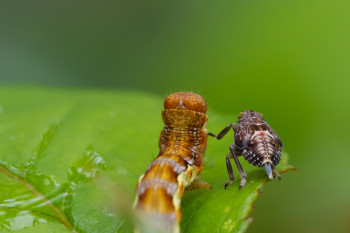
229,170
275,172
223,132
239,166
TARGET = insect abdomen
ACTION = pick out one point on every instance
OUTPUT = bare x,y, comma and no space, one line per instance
261,149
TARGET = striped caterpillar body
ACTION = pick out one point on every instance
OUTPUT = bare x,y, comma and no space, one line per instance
182,146
256,141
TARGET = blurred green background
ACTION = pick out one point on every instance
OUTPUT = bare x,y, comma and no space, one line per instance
286,59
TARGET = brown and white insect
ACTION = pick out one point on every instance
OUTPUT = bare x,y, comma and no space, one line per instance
182,146
256,141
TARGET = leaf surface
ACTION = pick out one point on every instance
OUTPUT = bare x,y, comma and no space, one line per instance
70,160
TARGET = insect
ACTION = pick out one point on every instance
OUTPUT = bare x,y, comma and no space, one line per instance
256,141
182,146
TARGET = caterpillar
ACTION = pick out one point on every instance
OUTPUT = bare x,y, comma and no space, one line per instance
182,145
256,141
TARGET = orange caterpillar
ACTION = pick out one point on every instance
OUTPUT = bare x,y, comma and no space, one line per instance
182,146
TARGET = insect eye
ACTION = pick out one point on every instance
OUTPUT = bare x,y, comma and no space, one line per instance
241,115
258,115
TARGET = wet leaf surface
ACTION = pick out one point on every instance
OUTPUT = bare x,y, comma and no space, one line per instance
70,160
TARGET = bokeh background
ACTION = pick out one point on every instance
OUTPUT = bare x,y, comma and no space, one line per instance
289,60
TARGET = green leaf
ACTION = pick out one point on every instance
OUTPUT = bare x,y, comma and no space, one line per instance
70,160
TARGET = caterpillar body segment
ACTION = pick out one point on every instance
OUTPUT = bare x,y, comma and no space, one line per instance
182,146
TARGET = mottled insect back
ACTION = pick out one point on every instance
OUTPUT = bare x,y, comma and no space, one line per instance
182,146
256,141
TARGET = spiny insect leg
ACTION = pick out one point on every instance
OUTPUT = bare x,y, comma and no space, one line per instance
239,166
229,170
275,172
223,132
